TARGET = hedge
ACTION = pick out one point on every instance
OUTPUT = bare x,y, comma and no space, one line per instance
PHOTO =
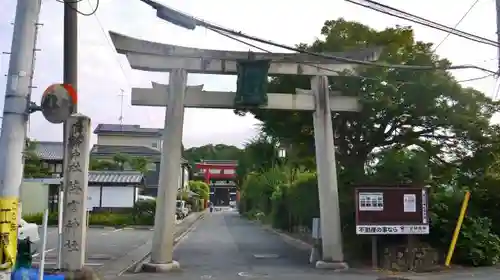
289,202
101,219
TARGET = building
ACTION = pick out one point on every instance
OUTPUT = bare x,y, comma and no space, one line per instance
221,176
51,155
107,190
128,135
136,141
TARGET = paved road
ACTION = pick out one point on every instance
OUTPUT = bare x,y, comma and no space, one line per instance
226,246
103,245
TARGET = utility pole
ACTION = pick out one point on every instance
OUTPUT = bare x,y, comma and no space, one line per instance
15,118
497,3
70,76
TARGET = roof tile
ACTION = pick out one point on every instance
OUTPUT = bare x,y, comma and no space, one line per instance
47,150
117,177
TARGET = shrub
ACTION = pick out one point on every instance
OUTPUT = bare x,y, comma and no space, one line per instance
477,244
101,219
201,188
144,212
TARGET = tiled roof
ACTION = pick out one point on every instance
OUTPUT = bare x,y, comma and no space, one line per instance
117,177
100,177
129,150
47,150
104,128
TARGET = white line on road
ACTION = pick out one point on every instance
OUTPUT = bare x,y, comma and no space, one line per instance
52,249
113,231
46,251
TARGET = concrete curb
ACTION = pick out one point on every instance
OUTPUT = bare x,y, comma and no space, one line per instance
128,262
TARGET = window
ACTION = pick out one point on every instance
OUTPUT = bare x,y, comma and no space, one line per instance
154,145
229,171
59,168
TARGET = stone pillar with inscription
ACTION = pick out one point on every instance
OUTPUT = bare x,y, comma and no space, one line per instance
75,193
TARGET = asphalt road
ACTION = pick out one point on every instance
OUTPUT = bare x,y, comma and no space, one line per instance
103,245
225,246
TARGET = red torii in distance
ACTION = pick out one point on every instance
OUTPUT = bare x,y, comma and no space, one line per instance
208,175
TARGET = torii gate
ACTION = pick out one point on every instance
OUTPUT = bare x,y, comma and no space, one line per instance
157,57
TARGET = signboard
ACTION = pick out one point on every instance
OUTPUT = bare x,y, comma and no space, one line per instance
391,210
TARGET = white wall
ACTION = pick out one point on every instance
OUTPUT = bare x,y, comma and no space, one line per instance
118,196
34,197
94,196
121,140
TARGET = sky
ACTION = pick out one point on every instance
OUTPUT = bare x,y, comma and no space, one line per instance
104,74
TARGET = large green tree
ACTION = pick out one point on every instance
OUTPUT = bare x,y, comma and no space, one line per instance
212,152
400,107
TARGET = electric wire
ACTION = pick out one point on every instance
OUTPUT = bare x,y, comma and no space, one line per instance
109,43
457,24
211,26
422,21
66,2
399,83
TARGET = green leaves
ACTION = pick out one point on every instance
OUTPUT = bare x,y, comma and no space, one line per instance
401,107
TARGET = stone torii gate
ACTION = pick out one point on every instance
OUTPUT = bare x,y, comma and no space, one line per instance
157,57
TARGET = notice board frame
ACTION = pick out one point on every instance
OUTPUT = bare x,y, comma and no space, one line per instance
395,215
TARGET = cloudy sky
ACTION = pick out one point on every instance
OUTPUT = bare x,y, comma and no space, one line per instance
103,74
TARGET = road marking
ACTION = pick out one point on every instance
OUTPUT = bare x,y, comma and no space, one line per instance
252,275
113,231
266,256
46,251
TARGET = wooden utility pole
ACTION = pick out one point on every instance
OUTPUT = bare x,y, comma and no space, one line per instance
70,77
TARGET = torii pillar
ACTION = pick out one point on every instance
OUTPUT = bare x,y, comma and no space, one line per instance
150,56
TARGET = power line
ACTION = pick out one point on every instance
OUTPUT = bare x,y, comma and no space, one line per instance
110,45
190,22
400,83
94,10
372,5
457,24
213,27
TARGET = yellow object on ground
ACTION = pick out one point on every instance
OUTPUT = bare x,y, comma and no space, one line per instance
460,220
8,231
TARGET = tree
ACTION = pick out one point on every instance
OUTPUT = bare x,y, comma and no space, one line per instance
139,164
102,164
33,167
212,152
400,107
260,153
121,159
120,162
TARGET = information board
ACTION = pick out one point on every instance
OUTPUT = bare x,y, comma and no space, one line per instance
388,210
